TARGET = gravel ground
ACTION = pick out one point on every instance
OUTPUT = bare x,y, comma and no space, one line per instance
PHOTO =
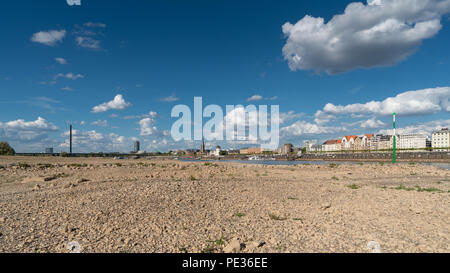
155,206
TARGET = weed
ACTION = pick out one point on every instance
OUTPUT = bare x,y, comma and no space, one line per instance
239,215
353,186
276,217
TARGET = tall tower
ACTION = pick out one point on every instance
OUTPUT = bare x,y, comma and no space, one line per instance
394,156
137,146
203,149
70,138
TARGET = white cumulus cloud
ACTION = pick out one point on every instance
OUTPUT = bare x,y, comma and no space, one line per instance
118,103
379,33
21,130
420,102
49,38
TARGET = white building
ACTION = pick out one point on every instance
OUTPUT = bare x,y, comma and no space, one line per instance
216,152
308,144
411,141
441,139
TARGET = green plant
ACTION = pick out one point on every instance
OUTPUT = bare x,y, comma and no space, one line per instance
239,215
353,186
276,217
118,164
24,165
419,189
193,178
5,149
292,198
335,178
332,165
381,163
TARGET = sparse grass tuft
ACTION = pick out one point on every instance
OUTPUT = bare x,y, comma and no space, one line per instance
118,164
276,217
381,163
292,198
209,249
332,165
420,189
192,178
353,186
24,165
239,215
335,178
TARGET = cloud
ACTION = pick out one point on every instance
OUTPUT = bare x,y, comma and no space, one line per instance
118,103
380,33
255,98
49,38
172,98
151,114
67,88
21,130
372,124
93,141
420,102
291,115
94,25
259,98
70,76
148,128
424,128
301,128
88,42
61,60
102,123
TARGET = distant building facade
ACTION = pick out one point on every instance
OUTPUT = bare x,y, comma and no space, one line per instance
441,139
137,146
412,141
307,144
286,149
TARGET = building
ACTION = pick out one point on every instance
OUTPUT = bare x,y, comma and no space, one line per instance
380,142
137,146
366,142
316,148
348,143
251,151
308,144
216,152
332,145
49,150
203,147
441,139
411,141
286,149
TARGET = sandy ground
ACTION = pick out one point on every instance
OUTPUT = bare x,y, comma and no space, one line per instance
171,206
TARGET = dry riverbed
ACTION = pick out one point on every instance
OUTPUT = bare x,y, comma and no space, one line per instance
171,206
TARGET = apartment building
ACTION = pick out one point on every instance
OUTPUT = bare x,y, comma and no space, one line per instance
441,139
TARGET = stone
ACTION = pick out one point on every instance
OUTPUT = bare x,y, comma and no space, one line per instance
326,205
233,247
33,179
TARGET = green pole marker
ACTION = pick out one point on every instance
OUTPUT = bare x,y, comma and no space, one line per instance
394,156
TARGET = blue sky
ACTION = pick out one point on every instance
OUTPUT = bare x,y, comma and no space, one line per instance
58,62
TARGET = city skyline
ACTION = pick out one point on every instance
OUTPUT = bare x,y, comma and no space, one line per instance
116,80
